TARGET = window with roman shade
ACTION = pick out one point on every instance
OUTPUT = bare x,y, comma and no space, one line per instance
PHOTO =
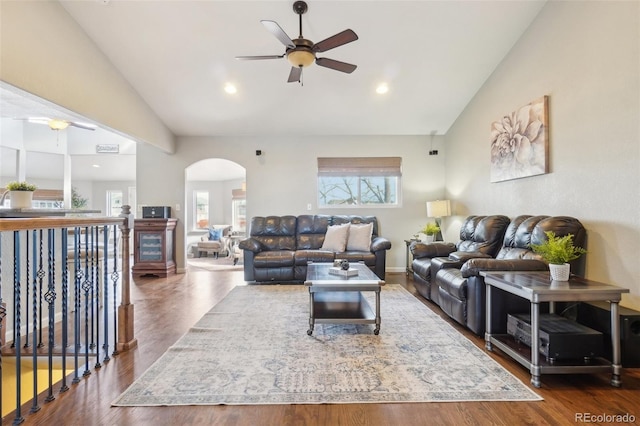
359,181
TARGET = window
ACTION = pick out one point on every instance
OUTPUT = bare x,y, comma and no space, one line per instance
359,181
114,203
201,201
239,210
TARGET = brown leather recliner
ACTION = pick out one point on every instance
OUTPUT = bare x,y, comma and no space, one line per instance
462,291
480,236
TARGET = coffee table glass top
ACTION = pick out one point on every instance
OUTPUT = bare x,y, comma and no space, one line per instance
318,273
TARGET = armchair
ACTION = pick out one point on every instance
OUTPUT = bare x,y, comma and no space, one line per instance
480,236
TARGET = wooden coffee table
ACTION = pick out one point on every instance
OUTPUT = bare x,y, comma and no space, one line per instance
335,299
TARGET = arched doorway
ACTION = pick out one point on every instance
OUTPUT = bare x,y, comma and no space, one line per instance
215,198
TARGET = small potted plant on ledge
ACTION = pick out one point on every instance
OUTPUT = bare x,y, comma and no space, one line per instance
429,232
558,252
20,194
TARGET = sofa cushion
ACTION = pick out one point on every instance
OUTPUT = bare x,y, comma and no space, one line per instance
360,237
302,257
273,259
310,231
335,239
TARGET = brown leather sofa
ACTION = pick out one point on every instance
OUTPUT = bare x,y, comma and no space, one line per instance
461,289
280,247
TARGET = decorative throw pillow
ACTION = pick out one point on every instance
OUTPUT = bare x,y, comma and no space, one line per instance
360,237
335,239
215,234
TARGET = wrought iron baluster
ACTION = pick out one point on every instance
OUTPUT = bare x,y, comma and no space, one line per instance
3,313
50,298
34,330
41,275
65,307
105,289
26,288
95,293
114,279
17,324
77,267
86,287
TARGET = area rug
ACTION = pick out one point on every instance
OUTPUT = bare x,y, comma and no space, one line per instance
253,348
212,264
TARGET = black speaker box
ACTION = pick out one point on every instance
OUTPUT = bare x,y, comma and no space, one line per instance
597,315
162,212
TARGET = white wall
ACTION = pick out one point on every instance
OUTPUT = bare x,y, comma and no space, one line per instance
44,52
283,179
585,57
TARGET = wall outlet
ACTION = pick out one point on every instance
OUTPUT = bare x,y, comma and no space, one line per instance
177,207
309,206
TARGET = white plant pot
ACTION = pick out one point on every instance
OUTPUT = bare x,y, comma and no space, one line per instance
427,238
20,199
560,272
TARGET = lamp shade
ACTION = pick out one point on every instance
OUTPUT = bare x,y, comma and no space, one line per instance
438,208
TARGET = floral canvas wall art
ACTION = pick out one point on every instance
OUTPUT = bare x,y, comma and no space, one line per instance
520,142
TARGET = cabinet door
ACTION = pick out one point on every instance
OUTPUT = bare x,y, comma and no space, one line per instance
150,246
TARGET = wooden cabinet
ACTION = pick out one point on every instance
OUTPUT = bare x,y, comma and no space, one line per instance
154,247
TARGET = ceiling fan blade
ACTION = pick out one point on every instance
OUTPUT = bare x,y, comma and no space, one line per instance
344,37
253,58
295,74
336,65
275,29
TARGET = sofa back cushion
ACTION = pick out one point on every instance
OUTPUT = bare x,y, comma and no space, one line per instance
353,219
527,230
274,232
483,234
311,230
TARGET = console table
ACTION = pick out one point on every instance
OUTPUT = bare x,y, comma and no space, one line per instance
537,287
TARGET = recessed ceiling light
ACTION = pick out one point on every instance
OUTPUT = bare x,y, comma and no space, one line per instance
382,88
230,88
97,166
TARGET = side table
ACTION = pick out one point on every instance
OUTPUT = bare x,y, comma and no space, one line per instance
408,269
537,287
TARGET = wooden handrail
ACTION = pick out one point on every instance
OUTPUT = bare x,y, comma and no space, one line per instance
55,222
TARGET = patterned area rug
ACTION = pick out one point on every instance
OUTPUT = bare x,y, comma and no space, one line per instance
253,348
213,264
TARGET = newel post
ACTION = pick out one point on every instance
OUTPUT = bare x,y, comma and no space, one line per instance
126,339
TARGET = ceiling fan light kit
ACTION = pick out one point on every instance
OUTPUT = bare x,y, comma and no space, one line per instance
301,52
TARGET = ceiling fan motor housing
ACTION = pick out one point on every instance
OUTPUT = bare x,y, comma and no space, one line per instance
301,55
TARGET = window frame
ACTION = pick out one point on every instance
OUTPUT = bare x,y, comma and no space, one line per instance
196,220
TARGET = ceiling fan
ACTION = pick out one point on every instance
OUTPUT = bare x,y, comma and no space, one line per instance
301,52
59,124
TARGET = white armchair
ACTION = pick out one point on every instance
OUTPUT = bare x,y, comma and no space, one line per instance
215,242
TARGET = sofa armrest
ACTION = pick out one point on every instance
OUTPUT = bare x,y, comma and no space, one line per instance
438,249
251,244
473,267
463,256
380,243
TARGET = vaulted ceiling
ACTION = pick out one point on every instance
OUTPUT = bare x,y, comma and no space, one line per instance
179,55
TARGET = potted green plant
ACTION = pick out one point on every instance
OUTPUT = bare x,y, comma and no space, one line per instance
20,194
430,230
558,252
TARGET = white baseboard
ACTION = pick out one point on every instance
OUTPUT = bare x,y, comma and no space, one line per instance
396,269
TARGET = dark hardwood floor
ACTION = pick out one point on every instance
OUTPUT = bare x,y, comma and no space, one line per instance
166,307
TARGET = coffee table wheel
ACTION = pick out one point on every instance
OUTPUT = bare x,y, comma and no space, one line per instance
376,331
309,331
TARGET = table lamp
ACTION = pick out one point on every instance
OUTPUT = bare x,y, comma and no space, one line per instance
439,209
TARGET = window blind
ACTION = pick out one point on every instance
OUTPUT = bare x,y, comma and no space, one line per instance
359,166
